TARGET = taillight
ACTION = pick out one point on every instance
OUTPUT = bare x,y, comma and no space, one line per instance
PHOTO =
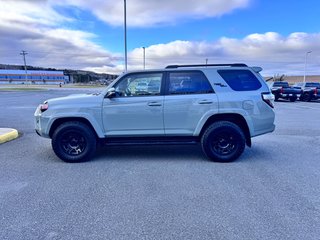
315,91
268,98
44,107
281,90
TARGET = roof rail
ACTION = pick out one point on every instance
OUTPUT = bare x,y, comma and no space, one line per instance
208,65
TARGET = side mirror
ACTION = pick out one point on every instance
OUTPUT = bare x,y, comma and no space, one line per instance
111,93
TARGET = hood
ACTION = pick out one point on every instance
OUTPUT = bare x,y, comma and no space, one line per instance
76,99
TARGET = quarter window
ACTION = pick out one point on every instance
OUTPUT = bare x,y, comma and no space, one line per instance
240,80
189,82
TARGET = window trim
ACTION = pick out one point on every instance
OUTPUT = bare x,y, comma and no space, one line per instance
167,82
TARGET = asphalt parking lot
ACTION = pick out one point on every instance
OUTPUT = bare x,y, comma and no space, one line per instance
161,192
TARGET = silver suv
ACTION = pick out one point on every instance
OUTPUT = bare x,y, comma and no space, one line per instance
220,106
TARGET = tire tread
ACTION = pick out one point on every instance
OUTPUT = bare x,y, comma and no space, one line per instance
211,129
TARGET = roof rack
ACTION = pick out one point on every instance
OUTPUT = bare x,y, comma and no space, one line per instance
208,65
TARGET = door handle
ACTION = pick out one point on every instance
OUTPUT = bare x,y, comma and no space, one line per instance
154,104
205,102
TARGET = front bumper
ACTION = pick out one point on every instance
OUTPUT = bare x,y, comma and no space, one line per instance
41,123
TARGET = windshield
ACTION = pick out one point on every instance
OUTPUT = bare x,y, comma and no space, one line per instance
313,85
281,84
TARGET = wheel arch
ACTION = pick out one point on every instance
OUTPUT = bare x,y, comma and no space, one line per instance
231,117
57,122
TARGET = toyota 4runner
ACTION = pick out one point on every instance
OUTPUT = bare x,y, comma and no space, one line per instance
220,106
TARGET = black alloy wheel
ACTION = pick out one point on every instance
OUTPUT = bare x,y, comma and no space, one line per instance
223,141
74,142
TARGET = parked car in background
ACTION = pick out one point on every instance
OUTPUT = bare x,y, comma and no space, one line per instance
284,91
309,90
142,86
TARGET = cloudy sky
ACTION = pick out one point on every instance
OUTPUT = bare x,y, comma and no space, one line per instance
83,34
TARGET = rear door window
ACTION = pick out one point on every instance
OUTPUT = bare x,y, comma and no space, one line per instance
240,80
188,82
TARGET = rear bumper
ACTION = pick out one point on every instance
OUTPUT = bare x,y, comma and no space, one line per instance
264,131
287,95
316,96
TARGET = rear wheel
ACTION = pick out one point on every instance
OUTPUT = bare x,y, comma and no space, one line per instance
293,99
74,142
223,141
306,97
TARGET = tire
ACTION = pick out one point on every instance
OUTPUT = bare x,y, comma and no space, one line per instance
293,99
306,97
276,97
223,141
74,142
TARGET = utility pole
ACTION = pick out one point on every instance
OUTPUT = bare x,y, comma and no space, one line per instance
125,37
206,61
144,58
24,53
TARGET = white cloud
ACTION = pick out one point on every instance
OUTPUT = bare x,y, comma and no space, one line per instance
37,27
275,53
29,13
34,26
39,31
59,48
154,12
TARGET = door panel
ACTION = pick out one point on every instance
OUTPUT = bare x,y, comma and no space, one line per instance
182,113
137,108
133,116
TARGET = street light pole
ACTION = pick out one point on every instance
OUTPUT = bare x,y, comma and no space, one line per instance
144,58
305,66
125,36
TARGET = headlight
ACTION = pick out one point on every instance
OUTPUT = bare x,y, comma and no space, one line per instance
44,106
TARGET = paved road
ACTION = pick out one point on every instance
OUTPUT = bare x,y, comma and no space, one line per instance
161,192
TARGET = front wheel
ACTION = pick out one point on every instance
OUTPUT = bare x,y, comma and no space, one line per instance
223,141
74,142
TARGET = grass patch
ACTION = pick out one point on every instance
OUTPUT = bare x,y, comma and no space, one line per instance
23,89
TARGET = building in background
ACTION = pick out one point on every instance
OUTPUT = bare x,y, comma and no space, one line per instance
32,77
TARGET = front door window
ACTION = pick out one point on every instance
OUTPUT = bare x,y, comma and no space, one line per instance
144,84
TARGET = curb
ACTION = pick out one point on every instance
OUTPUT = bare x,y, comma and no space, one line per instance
8,134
